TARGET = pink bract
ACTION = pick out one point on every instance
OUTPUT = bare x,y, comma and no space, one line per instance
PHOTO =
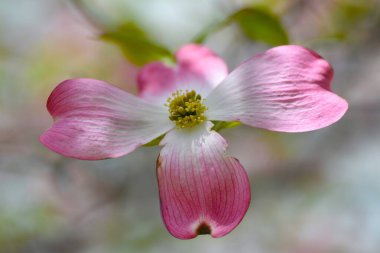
202,190
286,89
197,68
94,120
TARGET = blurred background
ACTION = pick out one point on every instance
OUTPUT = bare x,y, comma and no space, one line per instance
316,192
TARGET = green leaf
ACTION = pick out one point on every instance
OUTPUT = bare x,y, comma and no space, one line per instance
219,125
154,142
138,48
260,25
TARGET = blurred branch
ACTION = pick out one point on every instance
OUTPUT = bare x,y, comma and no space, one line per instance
209,30
93,17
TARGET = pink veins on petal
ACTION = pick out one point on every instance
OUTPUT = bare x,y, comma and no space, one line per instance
202,190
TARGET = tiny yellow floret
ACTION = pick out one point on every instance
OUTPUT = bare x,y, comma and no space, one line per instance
186,108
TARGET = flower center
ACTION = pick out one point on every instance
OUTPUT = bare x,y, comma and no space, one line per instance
186,108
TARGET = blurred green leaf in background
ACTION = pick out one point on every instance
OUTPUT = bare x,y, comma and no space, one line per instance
257,24
260,25
137,47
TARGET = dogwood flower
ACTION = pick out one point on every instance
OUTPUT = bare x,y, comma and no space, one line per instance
202,190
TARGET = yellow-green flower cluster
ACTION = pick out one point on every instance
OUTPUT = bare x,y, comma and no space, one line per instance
186,109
